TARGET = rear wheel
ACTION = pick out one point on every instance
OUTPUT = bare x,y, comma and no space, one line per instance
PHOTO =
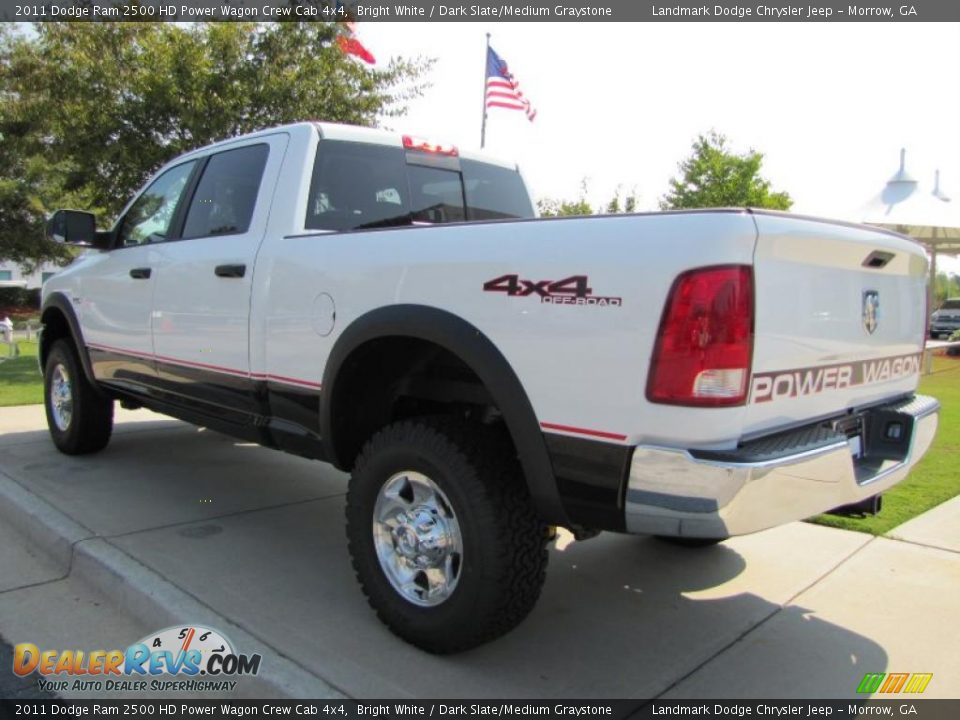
79,418
444,539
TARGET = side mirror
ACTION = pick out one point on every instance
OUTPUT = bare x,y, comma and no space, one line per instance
72,227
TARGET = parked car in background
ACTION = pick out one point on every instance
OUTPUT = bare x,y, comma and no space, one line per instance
946,319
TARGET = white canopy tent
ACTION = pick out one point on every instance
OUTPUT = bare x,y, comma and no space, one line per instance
930,218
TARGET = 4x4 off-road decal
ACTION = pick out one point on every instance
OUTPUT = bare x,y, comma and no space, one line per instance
573,290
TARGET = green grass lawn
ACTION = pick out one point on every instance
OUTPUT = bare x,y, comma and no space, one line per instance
936,478
20,380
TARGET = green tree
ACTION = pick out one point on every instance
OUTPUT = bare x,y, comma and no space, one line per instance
715,176
620,202
946,286
551,207
89,110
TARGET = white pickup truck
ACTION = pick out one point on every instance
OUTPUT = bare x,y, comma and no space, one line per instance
393,307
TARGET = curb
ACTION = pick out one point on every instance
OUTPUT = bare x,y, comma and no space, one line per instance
37,520
145,594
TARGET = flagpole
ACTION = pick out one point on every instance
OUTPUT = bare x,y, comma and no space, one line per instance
483,123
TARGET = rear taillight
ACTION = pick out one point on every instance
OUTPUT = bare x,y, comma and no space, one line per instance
703,350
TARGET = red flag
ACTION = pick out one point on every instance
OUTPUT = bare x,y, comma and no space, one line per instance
351,46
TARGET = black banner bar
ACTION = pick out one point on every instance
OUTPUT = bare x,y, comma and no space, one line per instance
904,708
480,10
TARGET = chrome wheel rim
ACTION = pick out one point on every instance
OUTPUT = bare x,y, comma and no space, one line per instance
61,397
417,538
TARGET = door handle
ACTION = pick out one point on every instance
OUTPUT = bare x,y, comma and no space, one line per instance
140,273
230,271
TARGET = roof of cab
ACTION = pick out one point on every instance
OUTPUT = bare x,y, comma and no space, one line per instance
348,133
299,126
356,133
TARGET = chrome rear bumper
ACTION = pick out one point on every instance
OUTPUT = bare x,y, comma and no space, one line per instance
768,482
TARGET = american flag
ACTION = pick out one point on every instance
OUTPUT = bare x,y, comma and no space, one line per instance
503,90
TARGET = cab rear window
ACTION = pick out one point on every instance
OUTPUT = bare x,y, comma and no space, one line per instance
358,186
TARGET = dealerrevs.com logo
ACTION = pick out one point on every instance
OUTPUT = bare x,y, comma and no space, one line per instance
177,659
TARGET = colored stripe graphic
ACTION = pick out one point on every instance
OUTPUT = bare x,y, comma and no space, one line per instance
894,682
870,683
282,379
891,683
918,682
583,431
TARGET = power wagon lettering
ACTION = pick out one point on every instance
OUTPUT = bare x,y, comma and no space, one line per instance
573,290
809,381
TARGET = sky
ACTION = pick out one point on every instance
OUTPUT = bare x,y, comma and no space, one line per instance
829,105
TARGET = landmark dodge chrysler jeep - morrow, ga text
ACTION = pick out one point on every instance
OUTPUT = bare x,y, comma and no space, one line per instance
393,307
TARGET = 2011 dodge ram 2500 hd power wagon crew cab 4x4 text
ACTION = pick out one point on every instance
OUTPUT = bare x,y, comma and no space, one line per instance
393,307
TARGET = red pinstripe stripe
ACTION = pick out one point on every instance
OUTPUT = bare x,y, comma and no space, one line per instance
203,366
207,366
583,431
292,381
132,353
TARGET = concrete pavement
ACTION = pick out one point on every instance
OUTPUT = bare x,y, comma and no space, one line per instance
172,524
938,528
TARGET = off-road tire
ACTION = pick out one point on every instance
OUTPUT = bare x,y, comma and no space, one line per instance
91,421
504,557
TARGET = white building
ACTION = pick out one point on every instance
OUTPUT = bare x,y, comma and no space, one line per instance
12,275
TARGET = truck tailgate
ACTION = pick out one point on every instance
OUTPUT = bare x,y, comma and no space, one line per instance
839,323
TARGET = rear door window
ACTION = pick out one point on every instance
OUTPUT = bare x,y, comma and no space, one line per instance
358,186
227,193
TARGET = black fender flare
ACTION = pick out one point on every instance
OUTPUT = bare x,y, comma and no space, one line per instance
478,352
61,302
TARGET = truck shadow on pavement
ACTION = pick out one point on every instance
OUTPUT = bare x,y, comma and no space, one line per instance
259,537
